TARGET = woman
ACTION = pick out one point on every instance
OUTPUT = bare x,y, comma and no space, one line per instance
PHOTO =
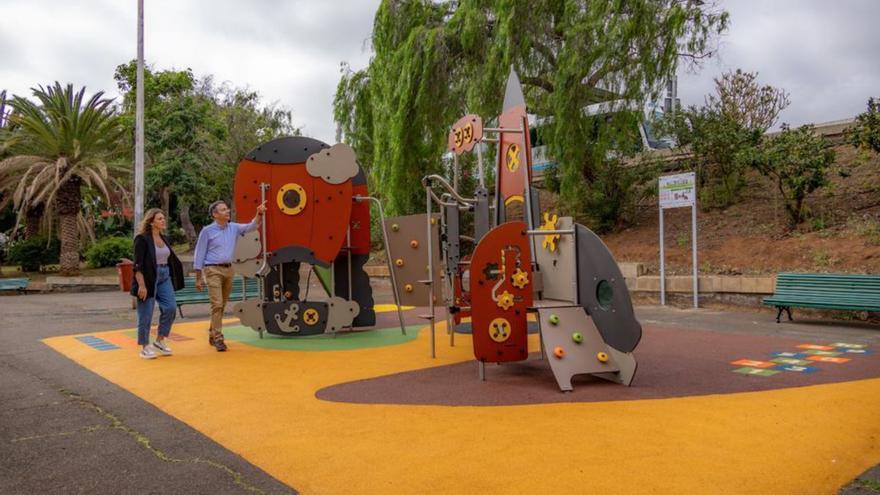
157,274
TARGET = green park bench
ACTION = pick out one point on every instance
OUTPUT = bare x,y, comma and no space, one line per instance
825,291
16,284
189,294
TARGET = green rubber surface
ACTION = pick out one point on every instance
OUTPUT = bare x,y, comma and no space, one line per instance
343,341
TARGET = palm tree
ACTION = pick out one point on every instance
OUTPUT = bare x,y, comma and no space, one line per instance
57,147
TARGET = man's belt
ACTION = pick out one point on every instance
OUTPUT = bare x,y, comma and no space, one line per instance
224,265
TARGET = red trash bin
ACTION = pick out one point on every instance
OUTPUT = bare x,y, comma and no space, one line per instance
125,269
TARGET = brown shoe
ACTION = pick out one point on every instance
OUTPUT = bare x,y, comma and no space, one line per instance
219,344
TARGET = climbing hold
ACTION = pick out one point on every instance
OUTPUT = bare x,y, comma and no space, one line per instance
520,279
413,243
559,352
408,287
602,357
577,337
433,221
395,227
499,330
398,262
554,319
505,300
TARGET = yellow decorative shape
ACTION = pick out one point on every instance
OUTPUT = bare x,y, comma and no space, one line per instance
291,210
310,316
516,198
550,240
602,357
513,157
520,279
505,300
499,329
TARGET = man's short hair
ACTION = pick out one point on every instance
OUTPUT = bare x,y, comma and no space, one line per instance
214,206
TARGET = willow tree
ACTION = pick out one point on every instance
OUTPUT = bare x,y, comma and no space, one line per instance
434,61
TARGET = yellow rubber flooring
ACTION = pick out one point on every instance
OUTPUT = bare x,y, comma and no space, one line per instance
260,403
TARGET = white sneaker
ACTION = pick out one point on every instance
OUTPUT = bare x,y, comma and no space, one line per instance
147,353
162,348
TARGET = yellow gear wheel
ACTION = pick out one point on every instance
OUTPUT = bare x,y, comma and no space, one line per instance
550,240
310,316
520,279
499,330
505,300
291,199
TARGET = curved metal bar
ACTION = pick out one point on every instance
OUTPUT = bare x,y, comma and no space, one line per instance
426,182
387,257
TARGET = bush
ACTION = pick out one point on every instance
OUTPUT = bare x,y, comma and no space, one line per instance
798,161
33,253
108,251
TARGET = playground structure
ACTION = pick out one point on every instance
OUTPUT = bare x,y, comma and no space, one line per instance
523,261
317,214
557,269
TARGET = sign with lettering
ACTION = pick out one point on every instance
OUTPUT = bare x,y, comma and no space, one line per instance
679,190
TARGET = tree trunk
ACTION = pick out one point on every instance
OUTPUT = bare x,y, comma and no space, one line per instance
33,216
68,202
166,201
185,222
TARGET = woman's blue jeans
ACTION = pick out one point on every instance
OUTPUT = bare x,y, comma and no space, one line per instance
167,307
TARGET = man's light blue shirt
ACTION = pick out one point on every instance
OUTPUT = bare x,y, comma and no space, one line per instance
216,244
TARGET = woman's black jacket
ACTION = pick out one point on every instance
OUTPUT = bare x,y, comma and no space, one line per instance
145,262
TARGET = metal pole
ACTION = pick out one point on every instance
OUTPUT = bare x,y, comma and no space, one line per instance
139,123
430,269
694,254
387,258
481,174
662,264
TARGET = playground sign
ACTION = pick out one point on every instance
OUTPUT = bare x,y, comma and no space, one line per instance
678,190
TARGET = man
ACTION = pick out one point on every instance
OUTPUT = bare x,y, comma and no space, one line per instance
213,256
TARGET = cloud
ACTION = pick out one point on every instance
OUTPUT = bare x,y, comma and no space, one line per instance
289,51
823,53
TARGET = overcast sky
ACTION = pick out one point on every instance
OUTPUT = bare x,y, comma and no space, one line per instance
826,54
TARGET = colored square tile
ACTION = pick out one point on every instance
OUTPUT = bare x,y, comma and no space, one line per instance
790,361
828,359
794,355
797,369
823,353
849,346
815,347
755,371
862,352
752,363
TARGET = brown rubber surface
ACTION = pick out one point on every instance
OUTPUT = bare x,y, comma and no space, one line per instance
672,362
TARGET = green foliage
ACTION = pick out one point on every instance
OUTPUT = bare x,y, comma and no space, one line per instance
195,135
798,161
739,97
31,254
865,134
61,147
724,131
108,251
435,61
